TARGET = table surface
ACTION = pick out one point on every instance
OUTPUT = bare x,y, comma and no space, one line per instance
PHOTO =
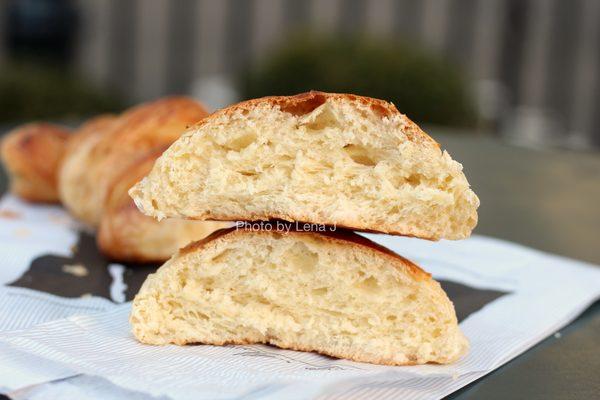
549,200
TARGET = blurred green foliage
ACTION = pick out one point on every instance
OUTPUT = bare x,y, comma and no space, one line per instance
37,91
424,87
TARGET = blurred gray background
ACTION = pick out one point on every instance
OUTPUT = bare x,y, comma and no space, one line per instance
510,87
531,65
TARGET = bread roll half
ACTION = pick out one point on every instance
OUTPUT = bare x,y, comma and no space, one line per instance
336,293
323,158
32,154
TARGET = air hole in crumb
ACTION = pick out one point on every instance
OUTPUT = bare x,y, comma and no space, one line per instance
247,173
304,104
320,291
437,333
324,118
391,318
301,258
414,179
241,142
380,110
207,283
359,154
371,284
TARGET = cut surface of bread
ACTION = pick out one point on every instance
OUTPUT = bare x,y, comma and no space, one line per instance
32,154
125,234
336,293
322,158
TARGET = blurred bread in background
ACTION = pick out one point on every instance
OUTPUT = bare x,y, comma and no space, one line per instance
135,132
32,154
91,171
125,234
75,187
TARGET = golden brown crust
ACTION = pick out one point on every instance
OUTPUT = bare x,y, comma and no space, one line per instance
154,123
120,214
109,154
75,185
117,196
105,147
305,103
32,154
338,236
139,130
95,126
119,229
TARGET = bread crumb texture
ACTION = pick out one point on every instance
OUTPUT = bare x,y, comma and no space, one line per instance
321,158
304,291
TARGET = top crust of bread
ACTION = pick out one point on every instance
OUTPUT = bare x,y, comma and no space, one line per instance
341,236
388,175
305,103
32,154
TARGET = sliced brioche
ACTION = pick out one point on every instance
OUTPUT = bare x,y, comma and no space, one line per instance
335,293
316,157
125,234
32,154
